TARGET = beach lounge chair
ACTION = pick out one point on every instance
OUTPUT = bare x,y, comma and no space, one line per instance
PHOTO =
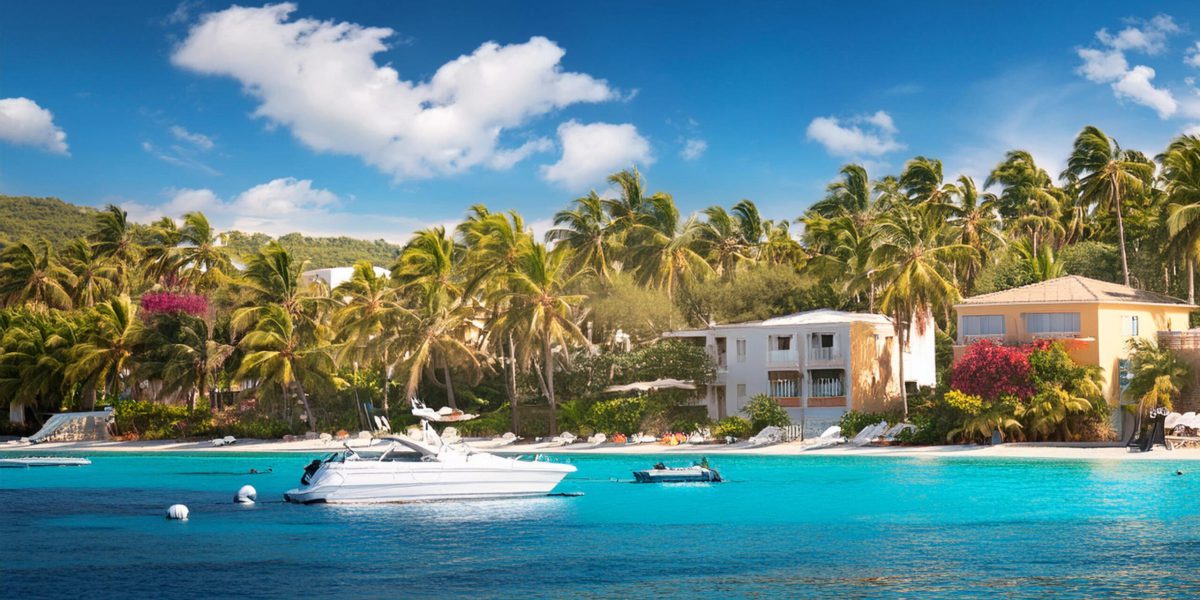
641,438
828,438
891,434
868,434
225,441
563,439
769,435
597,440
697,438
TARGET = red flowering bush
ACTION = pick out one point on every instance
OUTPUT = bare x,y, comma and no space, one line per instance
991,371
174,302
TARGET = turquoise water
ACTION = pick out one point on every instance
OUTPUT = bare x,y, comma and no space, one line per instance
782,526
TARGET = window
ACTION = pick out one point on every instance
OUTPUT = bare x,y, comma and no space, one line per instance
741,391
741,351
1129,325
983,325
783,342
1052,323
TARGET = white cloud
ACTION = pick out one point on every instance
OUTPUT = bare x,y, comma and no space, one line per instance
179,156
23,122
693,149
320,80
1137,86
864,135
593,151
1192,56
198,140
1110,65
279,207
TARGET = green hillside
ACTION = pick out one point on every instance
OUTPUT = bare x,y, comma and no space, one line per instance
23,218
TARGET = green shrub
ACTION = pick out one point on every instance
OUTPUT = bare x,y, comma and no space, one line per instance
622,415
153,421
735,427
764,412
494,423
688,418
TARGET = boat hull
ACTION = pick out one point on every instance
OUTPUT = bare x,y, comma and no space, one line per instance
686,475
370,482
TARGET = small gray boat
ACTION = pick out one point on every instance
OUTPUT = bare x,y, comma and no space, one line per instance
661,473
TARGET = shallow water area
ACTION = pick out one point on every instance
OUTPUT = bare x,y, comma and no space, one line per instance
811,526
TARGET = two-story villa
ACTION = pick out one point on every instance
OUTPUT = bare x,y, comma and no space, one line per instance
1097,316
817,364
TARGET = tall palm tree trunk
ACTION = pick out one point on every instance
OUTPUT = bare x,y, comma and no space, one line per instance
549,367
901,334
1116,198
1191,272
312,421
510,381
387,374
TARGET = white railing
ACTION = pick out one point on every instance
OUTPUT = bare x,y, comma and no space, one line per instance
1051,335
787,357
967,340
825,387
784,388
825,354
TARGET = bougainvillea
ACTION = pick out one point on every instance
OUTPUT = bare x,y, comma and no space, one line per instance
991,371
174,302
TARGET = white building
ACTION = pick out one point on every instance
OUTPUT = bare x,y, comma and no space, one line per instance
336,276
816,364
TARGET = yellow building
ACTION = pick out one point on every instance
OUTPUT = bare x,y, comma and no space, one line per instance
1099,319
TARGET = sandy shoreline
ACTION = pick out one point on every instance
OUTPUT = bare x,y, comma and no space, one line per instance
1043,451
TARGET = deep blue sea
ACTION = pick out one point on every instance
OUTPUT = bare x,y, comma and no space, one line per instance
780,527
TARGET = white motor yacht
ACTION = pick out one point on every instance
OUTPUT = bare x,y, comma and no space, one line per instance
401,469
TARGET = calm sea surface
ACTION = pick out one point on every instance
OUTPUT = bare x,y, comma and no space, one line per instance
781,527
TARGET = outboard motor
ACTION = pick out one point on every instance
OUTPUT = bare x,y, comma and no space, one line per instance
309,471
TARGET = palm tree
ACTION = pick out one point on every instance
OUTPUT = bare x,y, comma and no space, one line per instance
31,275
780,247
585,229
279,352
204,262
1029,203
93,278
664,252
114,239
34,358
179,350
540,302
1181,178
913,262
850,196
633,205
1107,175
976,225
1050,410
722,238
922,183
160,259
105,354
751,224
369,321
1040,264
1155,370
273,277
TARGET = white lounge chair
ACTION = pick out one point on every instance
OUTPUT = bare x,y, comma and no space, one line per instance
891,434
830,437
769,435
563,439
641,438
225,441
597,439
868,434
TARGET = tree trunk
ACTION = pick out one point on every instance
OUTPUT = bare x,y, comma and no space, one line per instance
386,377
549,366
312,421
511,383
449,385
1191,270
901,333
1116,198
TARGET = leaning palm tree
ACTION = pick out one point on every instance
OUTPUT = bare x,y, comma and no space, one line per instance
114,239
544,310
160,258
33,363
180,351
722,240
1107,175
923,184
31,275
93,278
913,265
279,352
369,321
848,196
976,225
1028,202
665,252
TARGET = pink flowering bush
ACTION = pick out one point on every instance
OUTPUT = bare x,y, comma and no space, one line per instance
174,302
992,371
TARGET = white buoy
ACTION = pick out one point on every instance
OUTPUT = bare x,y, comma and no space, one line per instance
177,511
246,495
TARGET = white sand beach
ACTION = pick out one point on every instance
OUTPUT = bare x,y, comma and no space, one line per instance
1056,451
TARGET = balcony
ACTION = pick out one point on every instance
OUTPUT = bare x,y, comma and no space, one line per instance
783,357
785,388
825,388
820,355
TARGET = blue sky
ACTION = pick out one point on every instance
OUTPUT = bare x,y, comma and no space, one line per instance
317,119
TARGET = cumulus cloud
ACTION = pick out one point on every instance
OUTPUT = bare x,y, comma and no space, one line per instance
279,207
23,122
693,149
1135,84
591,152
199,140
321,81
863,135
1192,57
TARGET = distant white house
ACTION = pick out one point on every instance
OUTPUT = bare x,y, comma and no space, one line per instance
817,364
336,276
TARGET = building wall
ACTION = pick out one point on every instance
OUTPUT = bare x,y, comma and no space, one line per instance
874,377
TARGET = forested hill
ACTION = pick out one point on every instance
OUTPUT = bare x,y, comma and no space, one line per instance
23,218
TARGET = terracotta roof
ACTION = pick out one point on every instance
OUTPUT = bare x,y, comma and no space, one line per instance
1073,289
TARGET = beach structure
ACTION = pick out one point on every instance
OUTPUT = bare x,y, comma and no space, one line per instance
1095,320
335,276
817,364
